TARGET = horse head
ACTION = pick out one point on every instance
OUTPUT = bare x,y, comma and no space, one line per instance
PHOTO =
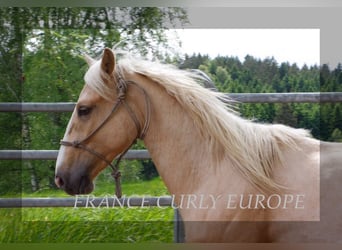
105,122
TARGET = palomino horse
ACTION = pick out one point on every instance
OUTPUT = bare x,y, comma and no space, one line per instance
232,180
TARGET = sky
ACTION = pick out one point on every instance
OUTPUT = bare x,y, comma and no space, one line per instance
300,46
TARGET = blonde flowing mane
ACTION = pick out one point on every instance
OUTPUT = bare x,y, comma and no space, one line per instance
254,149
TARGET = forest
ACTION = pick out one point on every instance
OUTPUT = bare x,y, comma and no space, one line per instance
254,75
41,61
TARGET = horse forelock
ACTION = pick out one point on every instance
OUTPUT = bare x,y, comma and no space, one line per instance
253,149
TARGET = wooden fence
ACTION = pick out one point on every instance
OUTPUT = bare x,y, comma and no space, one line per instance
327,97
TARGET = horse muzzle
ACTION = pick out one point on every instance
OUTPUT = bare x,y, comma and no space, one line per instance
74,185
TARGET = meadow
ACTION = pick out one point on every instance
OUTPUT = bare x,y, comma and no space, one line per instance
87,225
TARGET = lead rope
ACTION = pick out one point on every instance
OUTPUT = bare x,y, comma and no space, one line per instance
116,174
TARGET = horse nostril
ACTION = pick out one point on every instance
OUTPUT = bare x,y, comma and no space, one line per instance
59,181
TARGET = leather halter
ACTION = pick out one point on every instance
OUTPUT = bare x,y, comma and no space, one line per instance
122,87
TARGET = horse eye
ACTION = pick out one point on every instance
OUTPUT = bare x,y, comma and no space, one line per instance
83,111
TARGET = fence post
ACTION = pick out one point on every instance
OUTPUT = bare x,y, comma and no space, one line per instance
178,228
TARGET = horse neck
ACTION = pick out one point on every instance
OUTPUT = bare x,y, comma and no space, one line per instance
175,145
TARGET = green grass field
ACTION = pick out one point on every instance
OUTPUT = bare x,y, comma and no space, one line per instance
100,225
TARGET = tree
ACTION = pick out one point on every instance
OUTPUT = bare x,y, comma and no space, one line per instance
194,61
337,117
11,80
336,135
222,75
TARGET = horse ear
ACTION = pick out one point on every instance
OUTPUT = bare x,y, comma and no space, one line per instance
108,61
90,61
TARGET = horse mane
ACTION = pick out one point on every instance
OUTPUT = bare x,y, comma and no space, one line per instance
254,149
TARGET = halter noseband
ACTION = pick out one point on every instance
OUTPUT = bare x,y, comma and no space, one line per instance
122,87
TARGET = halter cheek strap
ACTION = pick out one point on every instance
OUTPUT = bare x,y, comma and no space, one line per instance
122,87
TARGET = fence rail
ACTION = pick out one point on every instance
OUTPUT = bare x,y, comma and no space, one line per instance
52,155
88,201
305,97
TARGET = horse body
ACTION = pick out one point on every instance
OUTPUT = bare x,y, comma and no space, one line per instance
205,187
233,180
